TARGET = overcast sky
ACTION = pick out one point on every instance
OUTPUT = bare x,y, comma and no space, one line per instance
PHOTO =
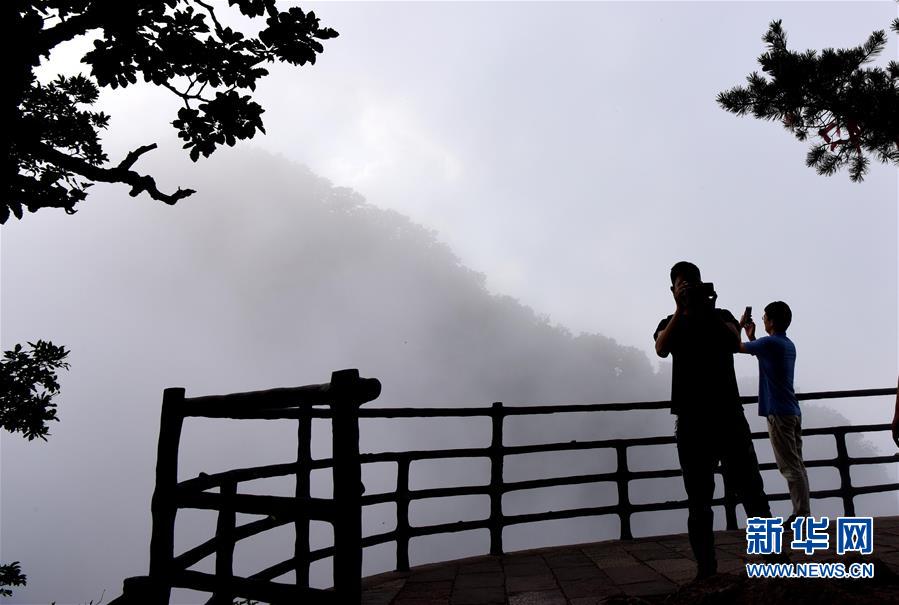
571,153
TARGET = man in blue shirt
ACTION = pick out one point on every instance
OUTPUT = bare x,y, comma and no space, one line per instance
777,401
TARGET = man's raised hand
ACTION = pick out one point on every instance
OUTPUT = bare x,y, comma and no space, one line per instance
749,326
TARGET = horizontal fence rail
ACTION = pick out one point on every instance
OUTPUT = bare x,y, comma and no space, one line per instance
340,402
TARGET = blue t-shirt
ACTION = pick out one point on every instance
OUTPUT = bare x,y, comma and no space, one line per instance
777,360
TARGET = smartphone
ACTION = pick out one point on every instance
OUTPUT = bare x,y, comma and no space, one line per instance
747,315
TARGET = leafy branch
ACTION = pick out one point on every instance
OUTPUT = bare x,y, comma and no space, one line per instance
54,149
28,383
11,575
849,110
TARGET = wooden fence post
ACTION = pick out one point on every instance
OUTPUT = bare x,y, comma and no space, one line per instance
164,506
302,495
845,478
347,477
402,513
624,501
496,479
224,551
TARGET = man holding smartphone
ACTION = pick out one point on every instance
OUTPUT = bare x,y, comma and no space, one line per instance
710,426
777,401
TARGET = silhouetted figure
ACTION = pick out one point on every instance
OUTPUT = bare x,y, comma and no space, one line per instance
777,400
710,423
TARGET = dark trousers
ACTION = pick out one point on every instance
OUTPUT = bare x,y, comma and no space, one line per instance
702,442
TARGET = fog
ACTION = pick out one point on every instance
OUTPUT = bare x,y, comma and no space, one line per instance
474,221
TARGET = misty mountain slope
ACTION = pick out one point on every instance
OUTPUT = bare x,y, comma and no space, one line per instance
310,266
394,288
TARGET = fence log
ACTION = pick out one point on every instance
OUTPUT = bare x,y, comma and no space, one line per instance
224,551
302,494
624,500
163,507
496,479
347,477
843,468
319,509
198,553
402,514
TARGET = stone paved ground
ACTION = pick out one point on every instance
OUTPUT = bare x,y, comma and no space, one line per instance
583,574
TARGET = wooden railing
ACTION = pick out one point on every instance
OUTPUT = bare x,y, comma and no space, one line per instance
341,401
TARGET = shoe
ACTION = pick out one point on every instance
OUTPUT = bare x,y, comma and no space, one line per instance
706,571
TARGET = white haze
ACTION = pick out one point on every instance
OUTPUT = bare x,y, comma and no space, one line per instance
566,156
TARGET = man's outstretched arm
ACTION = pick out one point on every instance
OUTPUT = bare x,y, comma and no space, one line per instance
749,326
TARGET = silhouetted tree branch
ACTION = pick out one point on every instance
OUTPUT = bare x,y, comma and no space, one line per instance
852,110
11,575
28,384
118,174
53,149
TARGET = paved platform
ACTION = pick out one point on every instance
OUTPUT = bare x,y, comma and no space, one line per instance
586,574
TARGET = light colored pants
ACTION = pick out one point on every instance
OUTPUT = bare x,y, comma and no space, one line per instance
786,441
